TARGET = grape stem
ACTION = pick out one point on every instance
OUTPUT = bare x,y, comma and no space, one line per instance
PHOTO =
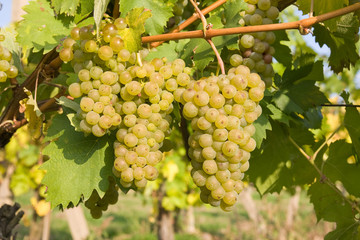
201,16
116,12
311,14
138,58
207,27
220,61
323,178
304,23
191,19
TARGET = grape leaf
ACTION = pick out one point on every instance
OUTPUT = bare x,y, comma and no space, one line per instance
32,115
346,231
341,43
277,114
77,164
351,122
313,118
337,168
87,6
64,101
99,10
279,164
160,13
65,6
328,204
321,7
40,29
132,35
200,50
282,52
309,72
299,97
261,125
169,50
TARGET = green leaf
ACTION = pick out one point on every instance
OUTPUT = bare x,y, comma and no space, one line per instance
345,231
232,9
99,10
283,53
77,164
351,122
279,164
65,6
299,97
64,101
328,204
321,7
41,29
277,114
160,13
341,43
337,167
87,6
132,35
200,51
169,50
310,72
261,125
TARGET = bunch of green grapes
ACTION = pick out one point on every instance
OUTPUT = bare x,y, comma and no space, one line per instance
97,205
98,64
119,91
222,110
146,107
255,48
7,69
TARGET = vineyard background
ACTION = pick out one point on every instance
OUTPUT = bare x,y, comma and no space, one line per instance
288,215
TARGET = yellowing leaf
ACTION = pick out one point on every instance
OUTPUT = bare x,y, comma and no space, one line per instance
32,115
192,198
132,36
170,170
41,207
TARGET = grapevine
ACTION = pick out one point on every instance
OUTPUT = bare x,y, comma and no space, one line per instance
123,80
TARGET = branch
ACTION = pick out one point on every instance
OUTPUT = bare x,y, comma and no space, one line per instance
192,19
304,23
49,65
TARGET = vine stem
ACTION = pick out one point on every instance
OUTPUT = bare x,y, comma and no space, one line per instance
311,14
205,29
201,16
219,59
304,23
191,19
323,178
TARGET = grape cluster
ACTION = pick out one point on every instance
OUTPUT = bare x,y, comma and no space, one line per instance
97,205
7,69
255,48
148,103
119,91
98,64
222,109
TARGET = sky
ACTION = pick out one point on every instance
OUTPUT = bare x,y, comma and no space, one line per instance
5,12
